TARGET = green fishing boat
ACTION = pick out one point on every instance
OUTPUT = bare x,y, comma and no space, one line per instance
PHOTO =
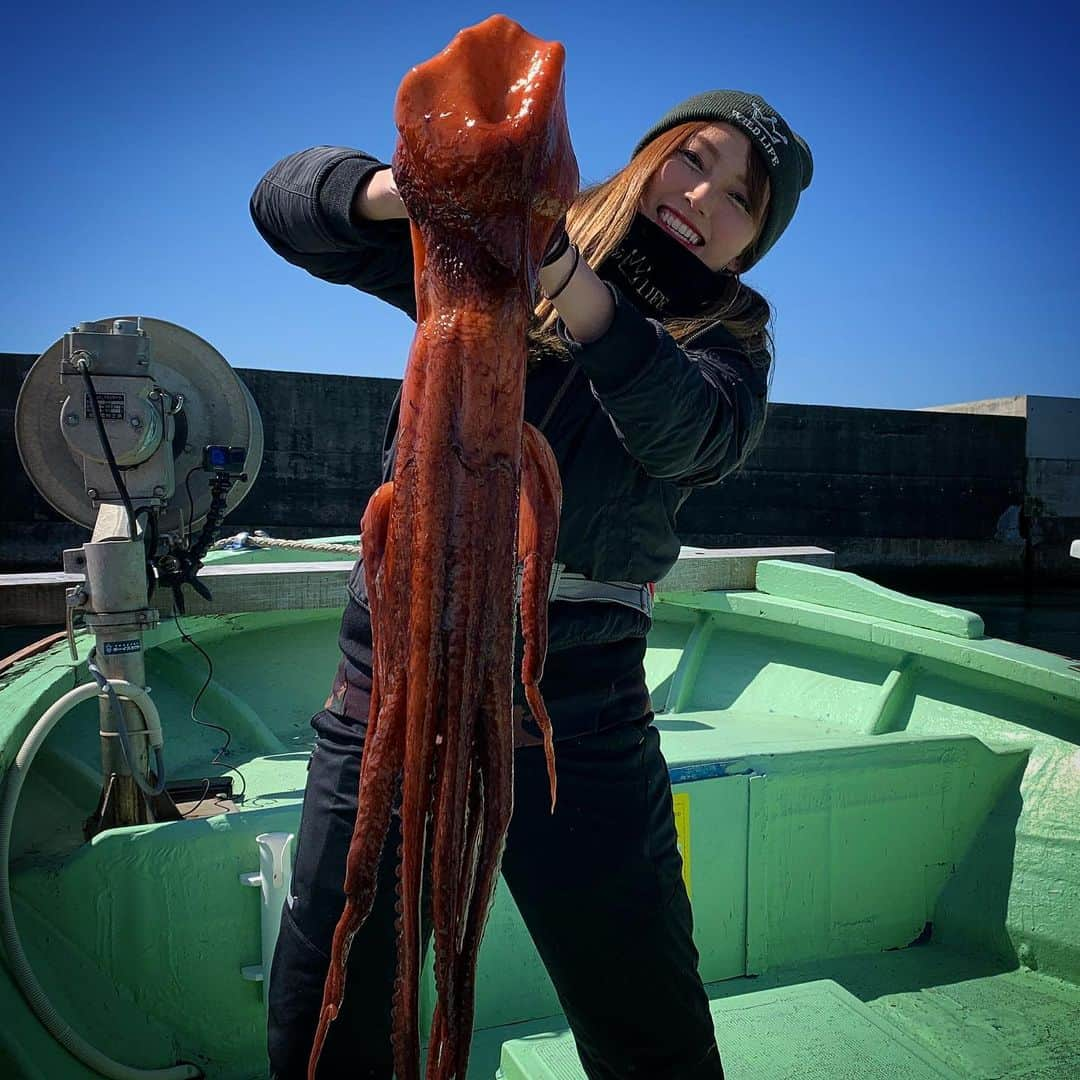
876,802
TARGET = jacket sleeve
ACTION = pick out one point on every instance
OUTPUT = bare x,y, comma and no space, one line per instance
691,416
302,209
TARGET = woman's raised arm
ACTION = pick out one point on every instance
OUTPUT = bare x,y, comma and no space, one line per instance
306,208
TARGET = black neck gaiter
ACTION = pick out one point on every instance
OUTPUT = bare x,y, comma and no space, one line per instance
661,277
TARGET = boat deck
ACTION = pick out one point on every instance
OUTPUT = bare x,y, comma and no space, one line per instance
876,815
922,1012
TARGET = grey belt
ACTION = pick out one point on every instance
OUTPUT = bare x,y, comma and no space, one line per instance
577,588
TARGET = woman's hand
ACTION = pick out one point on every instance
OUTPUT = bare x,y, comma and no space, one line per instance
378,198
584,302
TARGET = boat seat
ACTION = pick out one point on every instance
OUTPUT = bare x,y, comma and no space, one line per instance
735,740
828,1033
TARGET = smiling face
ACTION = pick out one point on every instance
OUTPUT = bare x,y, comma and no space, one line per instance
701,197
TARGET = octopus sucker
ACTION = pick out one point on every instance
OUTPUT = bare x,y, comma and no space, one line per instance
471,511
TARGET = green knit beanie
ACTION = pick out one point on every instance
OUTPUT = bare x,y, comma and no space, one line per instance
786,155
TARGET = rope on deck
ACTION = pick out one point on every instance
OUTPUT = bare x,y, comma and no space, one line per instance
259,540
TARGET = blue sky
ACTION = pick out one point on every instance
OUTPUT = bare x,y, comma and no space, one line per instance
934,259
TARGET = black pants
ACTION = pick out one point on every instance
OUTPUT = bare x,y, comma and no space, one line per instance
598,884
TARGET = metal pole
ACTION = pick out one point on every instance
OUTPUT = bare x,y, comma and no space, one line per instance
118,614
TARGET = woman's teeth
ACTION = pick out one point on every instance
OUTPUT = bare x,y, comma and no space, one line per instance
679,227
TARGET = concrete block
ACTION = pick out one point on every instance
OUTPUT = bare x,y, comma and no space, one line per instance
1053,487
1004,406
1053,427
886,489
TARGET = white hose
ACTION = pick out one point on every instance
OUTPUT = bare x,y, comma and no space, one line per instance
20,967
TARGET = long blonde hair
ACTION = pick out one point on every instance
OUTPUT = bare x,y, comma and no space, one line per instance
600,216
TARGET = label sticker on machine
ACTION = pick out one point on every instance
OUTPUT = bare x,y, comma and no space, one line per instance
111,405
682,829
112,647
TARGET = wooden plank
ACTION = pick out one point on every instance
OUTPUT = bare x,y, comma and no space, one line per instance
732,568
38,599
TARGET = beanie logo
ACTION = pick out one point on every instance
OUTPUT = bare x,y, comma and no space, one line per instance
770,122
762,127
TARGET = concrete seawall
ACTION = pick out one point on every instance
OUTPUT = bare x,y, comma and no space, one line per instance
1051,475
957,493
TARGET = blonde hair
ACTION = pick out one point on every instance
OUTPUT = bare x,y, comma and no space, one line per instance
600,216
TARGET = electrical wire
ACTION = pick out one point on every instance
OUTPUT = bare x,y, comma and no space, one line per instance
114,469
219,755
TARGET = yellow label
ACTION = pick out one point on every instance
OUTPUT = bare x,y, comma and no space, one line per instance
682,828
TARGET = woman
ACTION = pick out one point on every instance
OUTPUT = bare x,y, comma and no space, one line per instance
649,365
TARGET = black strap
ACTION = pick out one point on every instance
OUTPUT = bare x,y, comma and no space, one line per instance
558,395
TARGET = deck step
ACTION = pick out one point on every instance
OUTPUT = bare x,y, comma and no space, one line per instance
828,1034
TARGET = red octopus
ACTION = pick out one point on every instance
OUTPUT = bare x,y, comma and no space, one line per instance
485,168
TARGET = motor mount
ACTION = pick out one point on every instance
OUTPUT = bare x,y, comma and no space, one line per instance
122,418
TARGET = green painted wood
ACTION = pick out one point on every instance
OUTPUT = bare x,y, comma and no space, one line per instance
864,777
870,833
684,678
849,592
827,1034
718,863
1018,665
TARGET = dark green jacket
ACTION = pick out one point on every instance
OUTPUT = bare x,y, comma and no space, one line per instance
642,423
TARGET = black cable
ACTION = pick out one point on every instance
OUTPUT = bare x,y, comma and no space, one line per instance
150,542
190,504
217,758
114,469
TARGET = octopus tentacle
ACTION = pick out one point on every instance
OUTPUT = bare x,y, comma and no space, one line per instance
538,533
485,170
374,526
447,1029
381,763
495,756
